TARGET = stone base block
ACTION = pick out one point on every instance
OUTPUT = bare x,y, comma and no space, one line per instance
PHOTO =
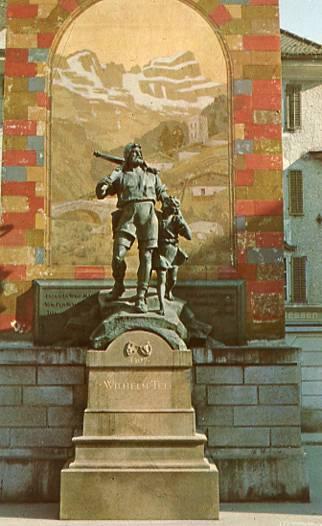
149,494
281,478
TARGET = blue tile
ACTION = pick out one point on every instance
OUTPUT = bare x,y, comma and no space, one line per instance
36,84
40,255
38,55
36,143
240,223
260,256
243,146
40,158
14,173
243,87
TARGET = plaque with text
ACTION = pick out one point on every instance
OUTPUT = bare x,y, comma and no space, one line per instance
66,311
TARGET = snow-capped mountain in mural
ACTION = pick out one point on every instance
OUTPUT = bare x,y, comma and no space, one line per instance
168,84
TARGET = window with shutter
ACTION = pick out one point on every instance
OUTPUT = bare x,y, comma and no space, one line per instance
295,192
299,279
293,107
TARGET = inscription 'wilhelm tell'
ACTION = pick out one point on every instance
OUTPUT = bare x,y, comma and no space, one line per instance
149,385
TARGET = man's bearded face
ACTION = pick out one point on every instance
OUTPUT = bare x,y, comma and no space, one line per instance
136,157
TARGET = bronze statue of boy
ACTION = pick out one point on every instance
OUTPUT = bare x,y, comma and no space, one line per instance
137,187
169,256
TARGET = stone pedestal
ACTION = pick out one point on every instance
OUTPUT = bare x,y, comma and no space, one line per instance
140,456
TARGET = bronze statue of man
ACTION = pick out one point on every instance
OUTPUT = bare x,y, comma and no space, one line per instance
137,187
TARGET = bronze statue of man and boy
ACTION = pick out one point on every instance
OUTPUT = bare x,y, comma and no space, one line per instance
138,187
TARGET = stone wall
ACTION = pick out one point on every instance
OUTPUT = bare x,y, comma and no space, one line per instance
310,341
42,399
249,34
248,404
246,399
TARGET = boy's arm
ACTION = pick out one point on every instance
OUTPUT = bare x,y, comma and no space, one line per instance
184,229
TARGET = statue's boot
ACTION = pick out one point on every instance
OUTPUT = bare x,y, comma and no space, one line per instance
141,304
117,290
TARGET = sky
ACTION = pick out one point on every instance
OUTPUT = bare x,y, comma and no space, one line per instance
303,17
98,29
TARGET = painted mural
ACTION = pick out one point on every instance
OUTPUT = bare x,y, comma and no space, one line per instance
121,75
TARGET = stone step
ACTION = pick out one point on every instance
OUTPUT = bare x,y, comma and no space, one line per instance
140,451
162,423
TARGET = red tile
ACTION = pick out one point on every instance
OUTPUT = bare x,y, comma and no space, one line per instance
68,5
36,203
247,271
266,286
227,273
220,15
267,86
13,272
243,109
89,272
19,127
263,131
244,178
15,188
257,161
18,69
267,94
261,42
22,11
24,220
264,2
269,208
43,100
245,207
19,158
267,101
15,237
5,322
16,55
241,258
45,40
24,313
269,239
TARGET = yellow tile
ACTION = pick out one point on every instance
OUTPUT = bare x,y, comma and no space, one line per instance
40,189
15,142
19,40
234,41
238,72
239,131
40,221
42,69
41,128
37,114
44,10
35,173
35,238
234,10
17,255
15,203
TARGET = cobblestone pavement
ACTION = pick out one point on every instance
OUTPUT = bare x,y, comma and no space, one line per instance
246,514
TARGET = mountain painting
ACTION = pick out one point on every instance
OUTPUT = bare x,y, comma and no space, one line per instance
175,105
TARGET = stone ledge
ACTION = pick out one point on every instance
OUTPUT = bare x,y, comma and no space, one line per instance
246,355
41,355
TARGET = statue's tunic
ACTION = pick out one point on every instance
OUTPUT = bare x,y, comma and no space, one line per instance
137,191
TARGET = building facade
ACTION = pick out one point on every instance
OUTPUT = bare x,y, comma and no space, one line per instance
302,147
